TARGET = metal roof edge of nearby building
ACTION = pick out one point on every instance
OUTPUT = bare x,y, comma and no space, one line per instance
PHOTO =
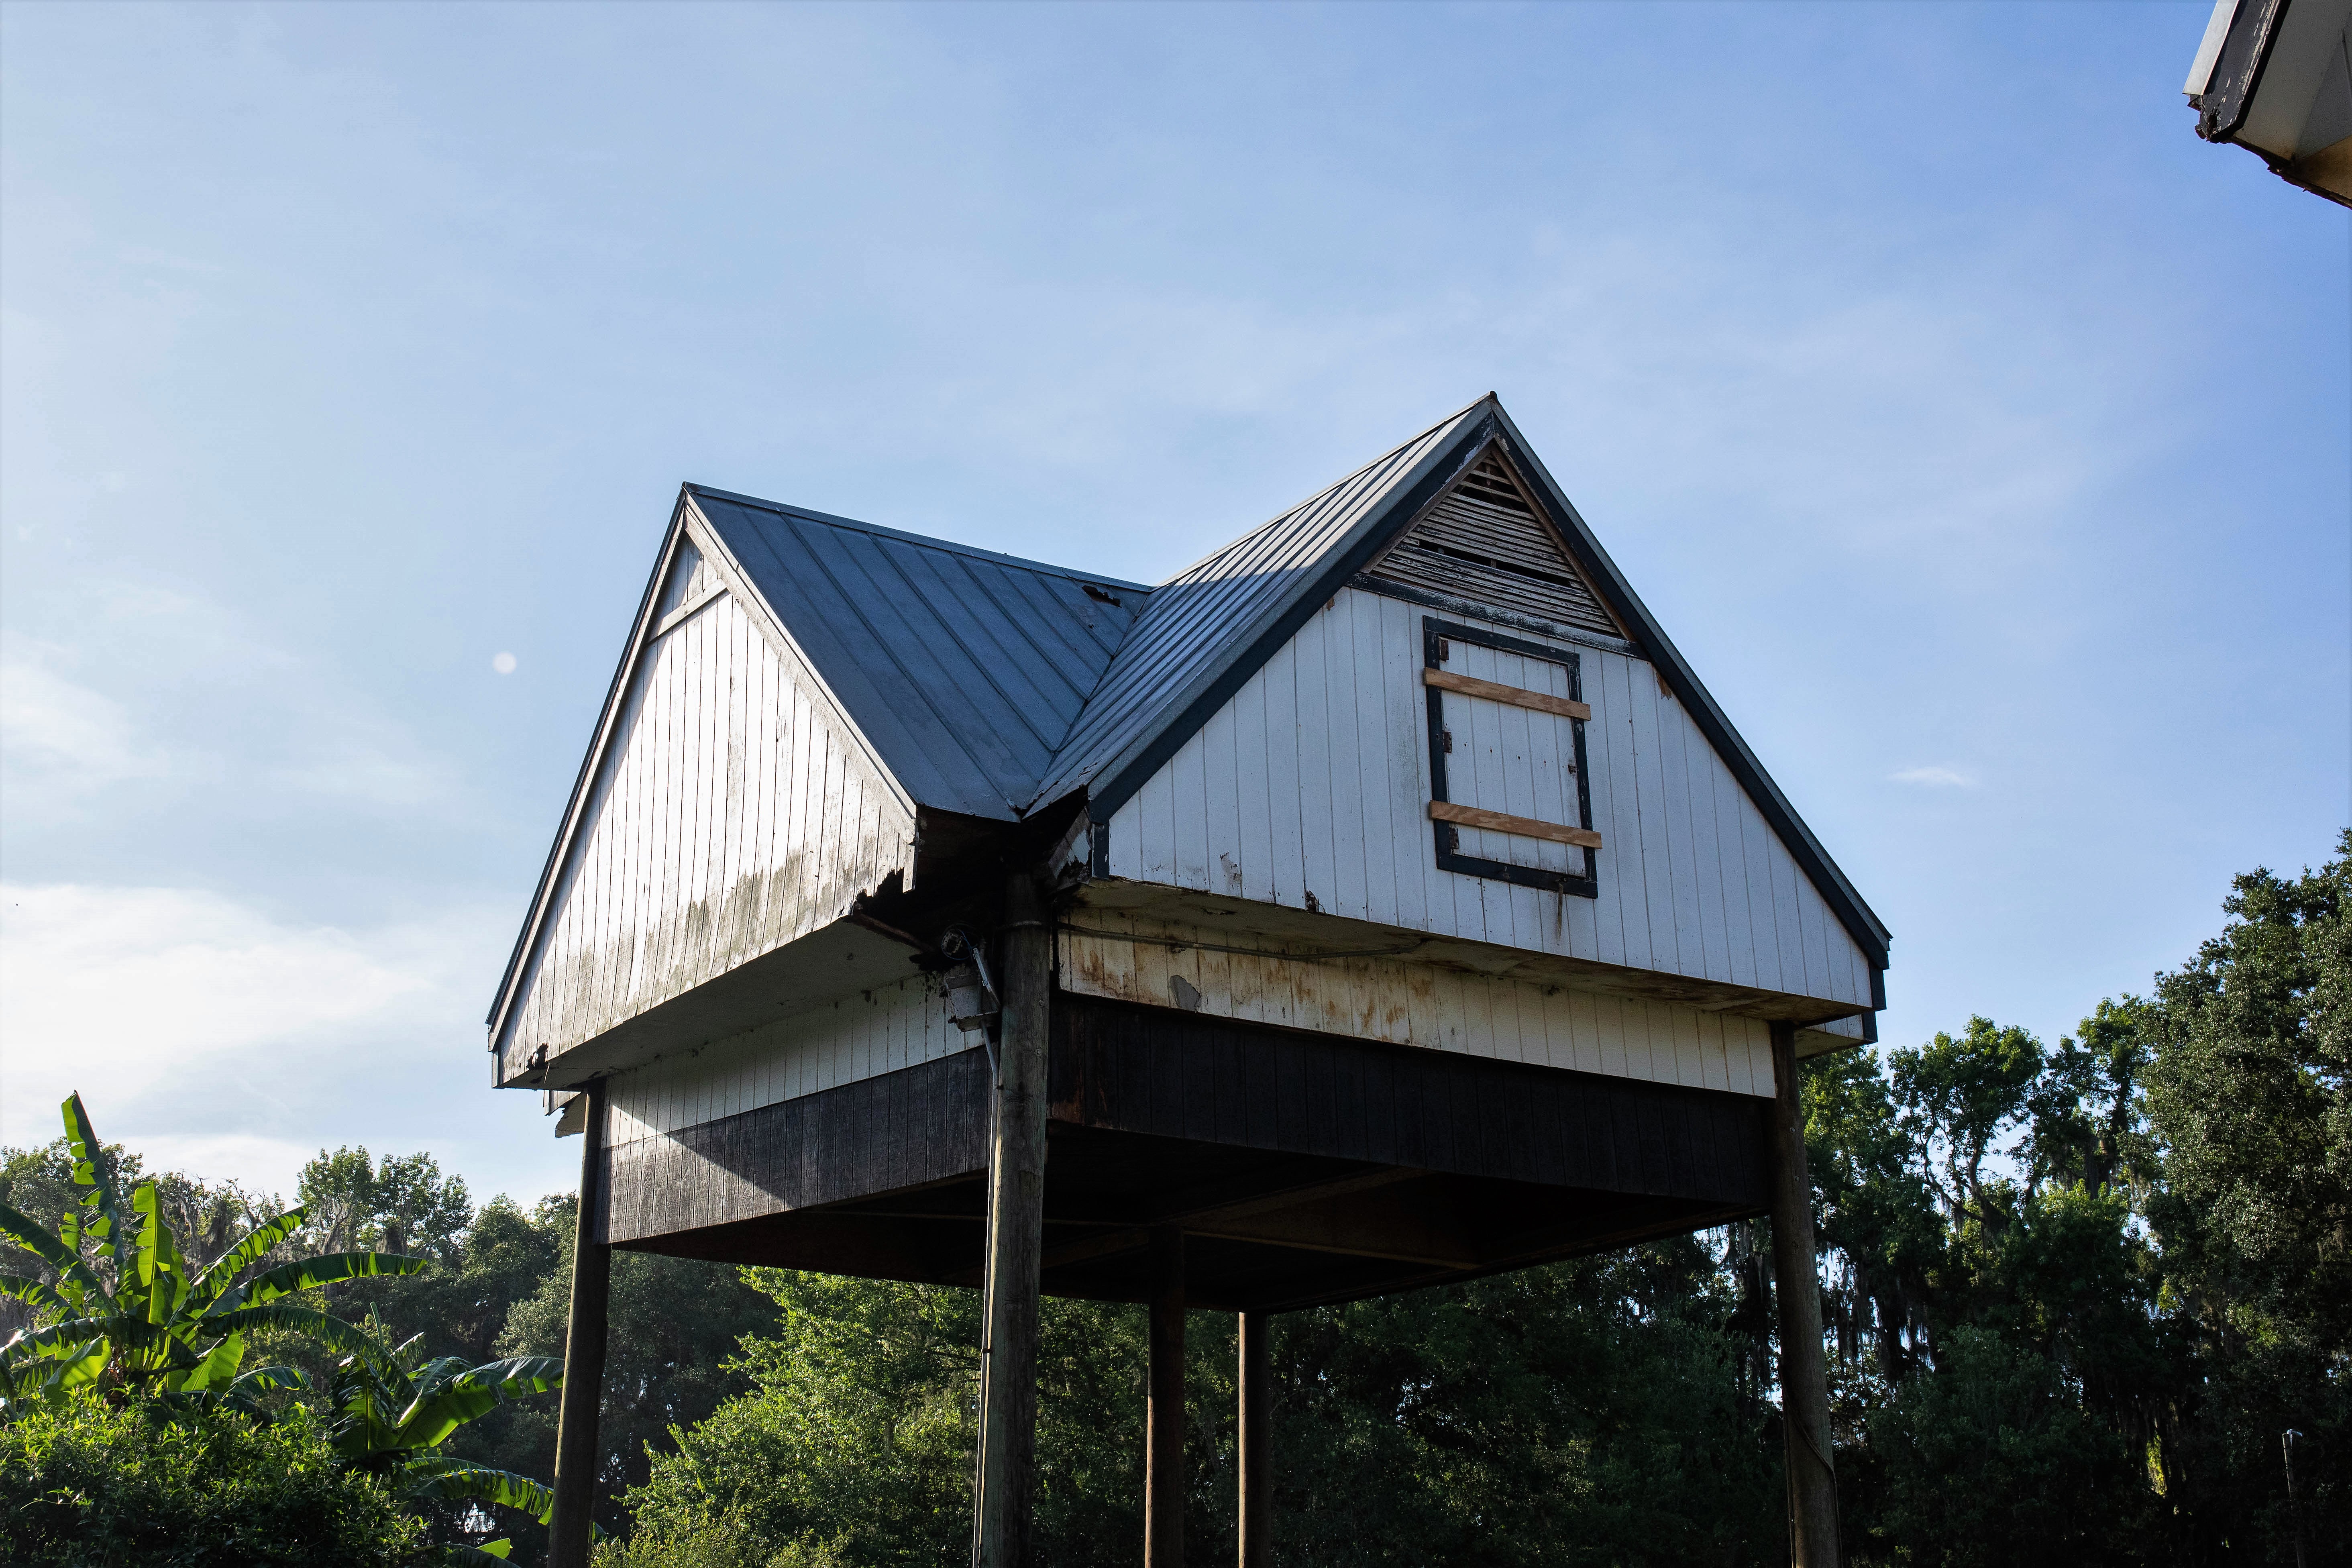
1860,921
1195,644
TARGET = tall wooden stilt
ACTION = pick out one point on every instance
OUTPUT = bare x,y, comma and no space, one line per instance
1805,1377
1163,1440
1257,1440
576,1448
1016,1230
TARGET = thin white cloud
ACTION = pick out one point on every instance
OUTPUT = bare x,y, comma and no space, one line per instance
215,1024
52,724
1935,778
169,692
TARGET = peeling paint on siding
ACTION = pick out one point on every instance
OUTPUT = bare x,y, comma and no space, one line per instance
1129,958
729,819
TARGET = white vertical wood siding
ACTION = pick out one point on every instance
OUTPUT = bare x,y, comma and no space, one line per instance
1417,1005
859,1037
1314,778
730,817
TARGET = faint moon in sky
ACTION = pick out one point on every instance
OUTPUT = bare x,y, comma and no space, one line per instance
503,664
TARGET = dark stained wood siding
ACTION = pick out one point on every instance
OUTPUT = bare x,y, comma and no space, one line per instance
1307,1167
906,1128
1184,1075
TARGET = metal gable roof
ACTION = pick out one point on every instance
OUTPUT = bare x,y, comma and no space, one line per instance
964,669
1207,629
989,685
1228,613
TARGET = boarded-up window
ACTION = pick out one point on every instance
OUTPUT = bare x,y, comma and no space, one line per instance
1506,760
1485,543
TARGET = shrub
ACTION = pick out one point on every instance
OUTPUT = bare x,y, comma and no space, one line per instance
723,1542
86,1485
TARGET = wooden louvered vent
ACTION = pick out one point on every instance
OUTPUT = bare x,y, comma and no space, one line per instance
1483,544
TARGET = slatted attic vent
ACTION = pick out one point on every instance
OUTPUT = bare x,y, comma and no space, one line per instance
1483,544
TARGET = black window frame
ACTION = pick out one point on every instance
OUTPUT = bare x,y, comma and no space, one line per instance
1448,837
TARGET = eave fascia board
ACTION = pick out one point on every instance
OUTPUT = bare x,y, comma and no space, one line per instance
2238,69
1407,496
1861,922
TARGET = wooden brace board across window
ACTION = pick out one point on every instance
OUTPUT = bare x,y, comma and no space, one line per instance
1442,642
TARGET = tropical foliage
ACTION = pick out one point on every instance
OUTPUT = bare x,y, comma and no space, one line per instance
390,1410
2077,1295
92,1483
120,1305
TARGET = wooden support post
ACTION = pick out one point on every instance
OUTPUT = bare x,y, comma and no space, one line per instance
1257,1440
1804,1376
577,1452
1004,1536
1163,1437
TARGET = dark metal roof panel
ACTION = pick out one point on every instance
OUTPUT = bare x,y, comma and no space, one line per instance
1210,617
965,669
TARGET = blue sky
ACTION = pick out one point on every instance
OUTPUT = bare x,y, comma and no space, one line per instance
1979,434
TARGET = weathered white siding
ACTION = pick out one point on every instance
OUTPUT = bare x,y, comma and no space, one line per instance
859,1037
1314,779
730,815
1404,1004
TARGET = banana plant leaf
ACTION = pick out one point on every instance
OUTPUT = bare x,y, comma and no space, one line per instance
496,1549
243,1255
52,1377
162,1273
72,1272
53,1341
255,1380
441,1410
333,1332
105,1221
216,1370
34,1292
308,1273
440,1478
